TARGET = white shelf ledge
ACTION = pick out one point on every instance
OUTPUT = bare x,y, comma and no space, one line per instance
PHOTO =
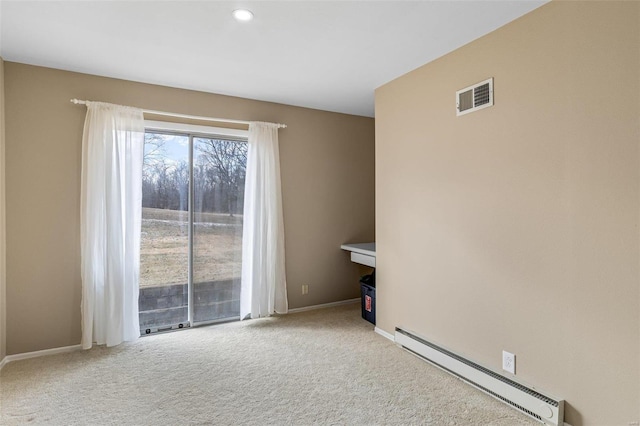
362,253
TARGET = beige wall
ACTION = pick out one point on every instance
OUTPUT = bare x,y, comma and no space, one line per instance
327,162
3,308
516,227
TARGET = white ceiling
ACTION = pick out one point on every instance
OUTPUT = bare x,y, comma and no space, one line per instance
328,55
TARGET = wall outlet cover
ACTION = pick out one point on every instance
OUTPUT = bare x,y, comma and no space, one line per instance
509,362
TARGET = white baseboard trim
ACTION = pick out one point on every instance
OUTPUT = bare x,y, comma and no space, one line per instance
36,354
3,362
385,334
324,305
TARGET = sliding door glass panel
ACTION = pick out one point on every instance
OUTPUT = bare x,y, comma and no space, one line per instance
218,197
164,248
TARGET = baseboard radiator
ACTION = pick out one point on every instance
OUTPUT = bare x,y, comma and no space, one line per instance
541,407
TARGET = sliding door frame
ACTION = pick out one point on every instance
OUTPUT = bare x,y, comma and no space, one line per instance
194,131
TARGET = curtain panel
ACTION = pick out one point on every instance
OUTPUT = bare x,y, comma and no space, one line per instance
264,288
111,203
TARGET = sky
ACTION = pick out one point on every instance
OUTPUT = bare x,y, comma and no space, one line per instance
176,147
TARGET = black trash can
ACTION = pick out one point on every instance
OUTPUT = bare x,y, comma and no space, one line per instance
368,297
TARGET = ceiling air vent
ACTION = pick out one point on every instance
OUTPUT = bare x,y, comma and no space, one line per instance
474,97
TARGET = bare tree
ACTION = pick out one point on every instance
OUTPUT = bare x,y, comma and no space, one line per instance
180,178
154,148
218,176
227,160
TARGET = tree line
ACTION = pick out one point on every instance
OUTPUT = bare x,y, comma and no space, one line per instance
218,176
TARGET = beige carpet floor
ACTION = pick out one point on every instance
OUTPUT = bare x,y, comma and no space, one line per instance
319,367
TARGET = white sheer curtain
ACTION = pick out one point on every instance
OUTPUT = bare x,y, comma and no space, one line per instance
110,217
264,288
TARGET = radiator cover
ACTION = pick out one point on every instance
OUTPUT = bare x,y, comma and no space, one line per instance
541,407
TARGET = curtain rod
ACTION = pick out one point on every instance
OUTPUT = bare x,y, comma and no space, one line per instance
189,117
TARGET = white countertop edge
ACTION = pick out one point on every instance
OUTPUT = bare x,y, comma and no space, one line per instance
368,249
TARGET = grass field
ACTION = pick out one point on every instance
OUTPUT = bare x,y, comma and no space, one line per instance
217,250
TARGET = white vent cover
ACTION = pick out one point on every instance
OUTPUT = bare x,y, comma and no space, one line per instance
474,97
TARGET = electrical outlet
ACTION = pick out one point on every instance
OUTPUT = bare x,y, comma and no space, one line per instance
509,362
305,288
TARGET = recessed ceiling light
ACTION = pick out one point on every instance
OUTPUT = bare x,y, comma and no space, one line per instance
243,15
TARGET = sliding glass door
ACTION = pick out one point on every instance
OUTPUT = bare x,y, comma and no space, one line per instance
164,243
191,245
219,171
